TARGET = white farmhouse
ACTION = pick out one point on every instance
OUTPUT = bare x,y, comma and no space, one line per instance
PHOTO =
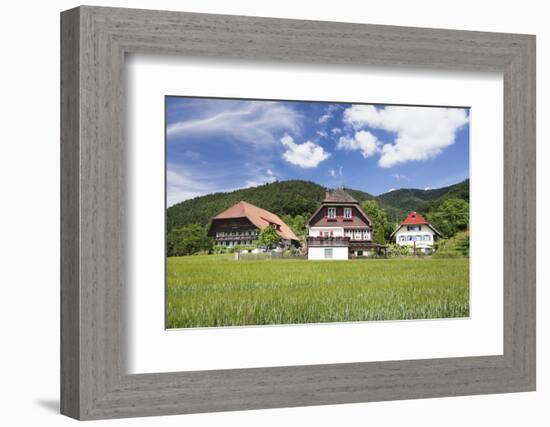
416,233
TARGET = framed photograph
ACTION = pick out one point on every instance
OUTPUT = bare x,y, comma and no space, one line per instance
258,192
262,213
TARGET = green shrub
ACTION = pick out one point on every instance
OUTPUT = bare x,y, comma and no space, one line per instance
203,252
455,247
394,251
187,240
219,249
292,251
451,217
268,239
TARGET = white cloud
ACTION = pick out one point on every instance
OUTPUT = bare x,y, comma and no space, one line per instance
400,177
325,118
336,131
253,122
361,115
363,141
306,155
322,133
421,132
329,113
427,188
262,179
193,155
391,189
183,183
180,187
335,172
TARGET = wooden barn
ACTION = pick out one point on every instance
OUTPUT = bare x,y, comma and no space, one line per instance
241,225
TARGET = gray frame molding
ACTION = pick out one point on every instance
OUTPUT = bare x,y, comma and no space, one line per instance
94,41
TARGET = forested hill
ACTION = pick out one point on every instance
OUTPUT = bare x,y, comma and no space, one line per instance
283,197
297,197
400,202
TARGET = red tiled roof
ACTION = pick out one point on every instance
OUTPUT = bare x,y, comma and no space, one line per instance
259,217
414,218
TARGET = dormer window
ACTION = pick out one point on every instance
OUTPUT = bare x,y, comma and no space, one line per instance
332,213
347,213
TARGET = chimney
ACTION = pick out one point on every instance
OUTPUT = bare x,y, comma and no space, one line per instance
327,194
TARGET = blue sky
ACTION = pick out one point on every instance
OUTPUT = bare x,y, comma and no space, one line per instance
215,145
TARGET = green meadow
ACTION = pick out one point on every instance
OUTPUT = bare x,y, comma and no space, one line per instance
216,290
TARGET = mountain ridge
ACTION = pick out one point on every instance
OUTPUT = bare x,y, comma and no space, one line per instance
299,197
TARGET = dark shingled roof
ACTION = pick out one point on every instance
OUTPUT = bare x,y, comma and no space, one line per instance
338,196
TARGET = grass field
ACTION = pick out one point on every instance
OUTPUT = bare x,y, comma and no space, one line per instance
215,290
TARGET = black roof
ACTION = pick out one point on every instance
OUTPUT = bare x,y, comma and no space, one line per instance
338,196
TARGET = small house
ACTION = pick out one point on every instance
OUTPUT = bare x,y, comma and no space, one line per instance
417,233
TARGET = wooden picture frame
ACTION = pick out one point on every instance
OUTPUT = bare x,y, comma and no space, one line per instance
94,41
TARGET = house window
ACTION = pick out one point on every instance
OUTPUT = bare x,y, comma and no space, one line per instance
332,212
427,237
347,213
366,235
348,233
328,253
413,228
357,235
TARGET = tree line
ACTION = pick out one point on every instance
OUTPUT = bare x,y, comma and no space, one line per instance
449,216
